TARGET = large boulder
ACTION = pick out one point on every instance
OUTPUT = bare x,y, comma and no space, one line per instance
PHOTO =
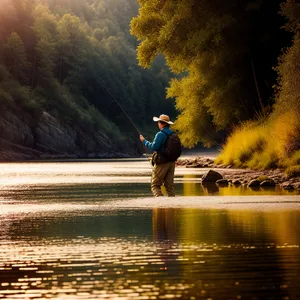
211,176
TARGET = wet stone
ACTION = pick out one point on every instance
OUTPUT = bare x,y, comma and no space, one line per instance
287,186
254,183
211,176
268,183
223,182
194,165
236,182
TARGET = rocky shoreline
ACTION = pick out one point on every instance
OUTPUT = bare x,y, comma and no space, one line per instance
227,175
14,156
23,139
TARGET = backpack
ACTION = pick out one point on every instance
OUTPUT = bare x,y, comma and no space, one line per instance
171,150
172,147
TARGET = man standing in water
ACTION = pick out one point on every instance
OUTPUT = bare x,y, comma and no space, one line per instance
162,173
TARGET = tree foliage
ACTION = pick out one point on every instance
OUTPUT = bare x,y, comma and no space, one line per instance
15,57
73,59
274,141
221,48
288,97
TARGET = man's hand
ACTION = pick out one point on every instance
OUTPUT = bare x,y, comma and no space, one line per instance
142,138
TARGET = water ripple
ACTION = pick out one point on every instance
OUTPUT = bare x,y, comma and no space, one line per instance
116,268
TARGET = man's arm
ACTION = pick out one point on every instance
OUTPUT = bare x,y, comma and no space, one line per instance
157,143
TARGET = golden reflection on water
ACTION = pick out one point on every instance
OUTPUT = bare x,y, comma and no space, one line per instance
188,254
238,241
279,227
76,241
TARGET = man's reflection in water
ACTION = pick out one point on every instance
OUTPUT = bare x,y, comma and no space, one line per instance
164,224
165,234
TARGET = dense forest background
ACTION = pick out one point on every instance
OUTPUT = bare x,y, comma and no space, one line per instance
76,60
241,61
232,76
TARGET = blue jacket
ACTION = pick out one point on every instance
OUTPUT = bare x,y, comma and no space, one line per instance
159,140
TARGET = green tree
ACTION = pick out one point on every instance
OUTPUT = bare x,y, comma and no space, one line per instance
214,46
288,97
45,29
287,106
72,58
70,45
15,58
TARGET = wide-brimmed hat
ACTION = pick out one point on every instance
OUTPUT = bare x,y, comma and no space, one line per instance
163,118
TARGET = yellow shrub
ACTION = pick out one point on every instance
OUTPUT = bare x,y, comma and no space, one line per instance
294,160
264,145
245,141
286,129
293,171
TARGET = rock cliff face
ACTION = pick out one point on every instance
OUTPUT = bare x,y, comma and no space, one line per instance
48,138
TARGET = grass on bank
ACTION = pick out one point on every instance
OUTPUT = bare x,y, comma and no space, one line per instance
264,144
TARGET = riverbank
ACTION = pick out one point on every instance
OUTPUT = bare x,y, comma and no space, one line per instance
32,155
48,137
233,176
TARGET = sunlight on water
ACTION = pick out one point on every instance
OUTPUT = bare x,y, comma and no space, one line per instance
177,253
13,174
108,178
93,231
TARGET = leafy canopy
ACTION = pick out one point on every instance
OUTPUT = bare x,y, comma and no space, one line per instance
208,42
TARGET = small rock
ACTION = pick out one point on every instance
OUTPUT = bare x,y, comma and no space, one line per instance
194,165
287,186
254,183
236,182
223,182
268,183
297,185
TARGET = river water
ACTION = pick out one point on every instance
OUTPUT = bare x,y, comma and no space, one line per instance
92,230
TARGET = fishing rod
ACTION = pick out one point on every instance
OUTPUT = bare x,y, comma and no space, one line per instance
125,113
115,100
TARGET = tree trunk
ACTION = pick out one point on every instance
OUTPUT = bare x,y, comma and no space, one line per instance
256,86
